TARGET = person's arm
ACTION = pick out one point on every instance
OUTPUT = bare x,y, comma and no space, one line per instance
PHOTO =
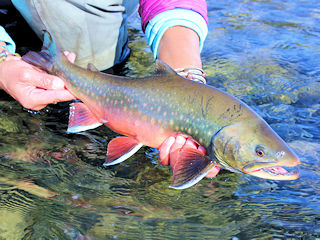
179,47
175,32
31,87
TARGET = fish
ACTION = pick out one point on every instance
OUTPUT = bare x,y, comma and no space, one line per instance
146,111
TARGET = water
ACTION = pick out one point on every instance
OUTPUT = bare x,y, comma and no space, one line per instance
53,185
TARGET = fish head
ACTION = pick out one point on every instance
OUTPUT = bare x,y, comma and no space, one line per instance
254,148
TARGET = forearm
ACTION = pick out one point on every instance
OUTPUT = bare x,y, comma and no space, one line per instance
175,30
179,47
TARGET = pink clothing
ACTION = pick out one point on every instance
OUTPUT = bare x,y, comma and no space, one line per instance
150,8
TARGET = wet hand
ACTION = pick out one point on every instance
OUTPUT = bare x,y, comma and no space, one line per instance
31,87
170,150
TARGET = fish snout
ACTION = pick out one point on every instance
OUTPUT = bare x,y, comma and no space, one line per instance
289,159
294,162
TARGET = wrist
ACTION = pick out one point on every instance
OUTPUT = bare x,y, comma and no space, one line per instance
4,53
193,73
3,47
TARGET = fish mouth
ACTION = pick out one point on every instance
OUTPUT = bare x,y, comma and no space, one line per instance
271,172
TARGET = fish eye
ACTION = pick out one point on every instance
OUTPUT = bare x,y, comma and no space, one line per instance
259,151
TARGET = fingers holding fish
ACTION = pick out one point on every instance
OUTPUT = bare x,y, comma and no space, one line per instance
164,150
213,172
171,148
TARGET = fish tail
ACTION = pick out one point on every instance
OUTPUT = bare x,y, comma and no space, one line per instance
48,57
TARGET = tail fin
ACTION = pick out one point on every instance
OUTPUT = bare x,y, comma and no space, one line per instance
49,54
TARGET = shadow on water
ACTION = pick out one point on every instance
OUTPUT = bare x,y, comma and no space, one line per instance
53,185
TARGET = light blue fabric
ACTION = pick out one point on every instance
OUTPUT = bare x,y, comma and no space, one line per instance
4,37
176,17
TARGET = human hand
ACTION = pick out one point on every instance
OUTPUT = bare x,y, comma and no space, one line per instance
31,87
170,150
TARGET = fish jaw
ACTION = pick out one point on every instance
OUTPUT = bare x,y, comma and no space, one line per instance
272,171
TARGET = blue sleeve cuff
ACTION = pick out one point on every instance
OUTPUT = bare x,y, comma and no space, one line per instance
175,17
4,37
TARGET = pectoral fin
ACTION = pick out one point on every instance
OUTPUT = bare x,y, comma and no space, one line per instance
81,118
120,149
190,168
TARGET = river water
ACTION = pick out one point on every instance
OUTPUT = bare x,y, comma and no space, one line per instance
265,52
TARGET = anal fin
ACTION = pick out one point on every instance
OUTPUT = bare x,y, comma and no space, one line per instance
120,149
191,166
81,118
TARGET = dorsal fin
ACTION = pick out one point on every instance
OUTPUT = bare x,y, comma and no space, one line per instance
164,69
92,67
